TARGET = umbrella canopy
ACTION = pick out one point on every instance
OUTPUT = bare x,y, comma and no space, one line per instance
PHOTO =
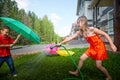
21,29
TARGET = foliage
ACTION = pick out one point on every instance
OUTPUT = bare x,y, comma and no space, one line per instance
41,26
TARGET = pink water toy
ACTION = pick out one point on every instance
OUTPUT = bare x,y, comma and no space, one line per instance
51,51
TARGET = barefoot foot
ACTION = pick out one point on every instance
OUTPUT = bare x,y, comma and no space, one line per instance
108,78
73,73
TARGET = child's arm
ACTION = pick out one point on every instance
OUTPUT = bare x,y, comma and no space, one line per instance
9,45
70,38
113,47
2,45
16,40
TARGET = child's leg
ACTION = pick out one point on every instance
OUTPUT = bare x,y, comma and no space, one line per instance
10,63
103,69
1,61
81,61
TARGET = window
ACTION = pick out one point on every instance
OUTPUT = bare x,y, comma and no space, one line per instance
110,22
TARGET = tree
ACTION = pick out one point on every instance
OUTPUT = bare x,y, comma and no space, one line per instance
43,27
13,9
5,9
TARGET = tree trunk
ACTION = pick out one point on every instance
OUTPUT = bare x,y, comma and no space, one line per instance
117,23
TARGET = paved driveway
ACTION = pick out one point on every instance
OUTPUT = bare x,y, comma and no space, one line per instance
40,48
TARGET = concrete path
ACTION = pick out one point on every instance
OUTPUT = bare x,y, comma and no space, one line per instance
40,48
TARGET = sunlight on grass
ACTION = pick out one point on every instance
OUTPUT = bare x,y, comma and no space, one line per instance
31,66
39,66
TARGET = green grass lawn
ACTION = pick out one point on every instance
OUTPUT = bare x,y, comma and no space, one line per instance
39,66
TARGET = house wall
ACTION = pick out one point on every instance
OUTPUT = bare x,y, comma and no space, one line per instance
86,10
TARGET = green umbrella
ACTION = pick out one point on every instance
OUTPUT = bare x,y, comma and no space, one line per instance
21,29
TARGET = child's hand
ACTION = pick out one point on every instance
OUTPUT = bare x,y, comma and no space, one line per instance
11,45
58,45
113,47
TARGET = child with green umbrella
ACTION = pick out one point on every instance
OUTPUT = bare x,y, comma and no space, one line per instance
5,43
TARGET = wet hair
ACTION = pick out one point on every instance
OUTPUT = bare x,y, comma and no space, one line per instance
82,18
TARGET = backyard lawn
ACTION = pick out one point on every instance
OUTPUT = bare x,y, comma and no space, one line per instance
40,66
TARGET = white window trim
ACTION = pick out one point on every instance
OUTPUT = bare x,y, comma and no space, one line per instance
108,14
